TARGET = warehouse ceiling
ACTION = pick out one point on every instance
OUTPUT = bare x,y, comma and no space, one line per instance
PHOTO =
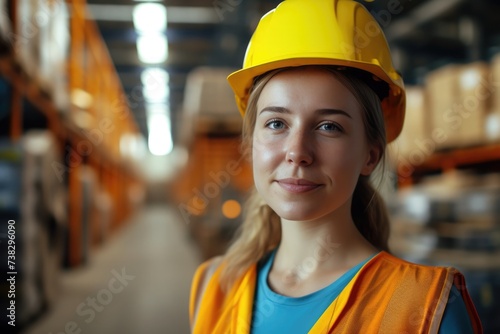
423,35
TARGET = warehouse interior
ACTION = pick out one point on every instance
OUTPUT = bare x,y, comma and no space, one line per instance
120,161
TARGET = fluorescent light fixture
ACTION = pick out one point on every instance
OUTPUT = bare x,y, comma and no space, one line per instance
154,75
160,134
175,14
150,17
157,109
155,85
156,94
193,15
152,48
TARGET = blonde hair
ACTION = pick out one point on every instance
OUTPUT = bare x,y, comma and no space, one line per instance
261,228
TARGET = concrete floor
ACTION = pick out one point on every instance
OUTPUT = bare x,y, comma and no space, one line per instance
137,282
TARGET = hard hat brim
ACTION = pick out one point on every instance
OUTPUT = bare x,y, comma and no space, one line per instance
393,105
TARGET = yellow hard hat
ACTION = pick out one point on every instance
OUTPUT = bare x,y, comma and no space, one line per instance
322,32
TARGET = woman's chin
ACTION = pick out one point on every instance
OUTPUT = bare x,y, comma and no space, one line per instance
296,214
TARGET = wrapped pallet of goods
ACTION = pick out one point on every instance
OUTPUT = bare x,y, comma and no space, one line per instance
453,219
428,212
44,216
88,188
41,45
5,27
32,196
27,34
54,51
481,204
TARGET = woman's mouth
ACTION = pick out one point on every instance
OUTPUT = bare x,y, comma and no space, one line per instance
297,186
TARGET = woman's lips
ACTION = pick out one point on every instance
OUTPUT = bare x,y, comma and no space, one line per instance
297,186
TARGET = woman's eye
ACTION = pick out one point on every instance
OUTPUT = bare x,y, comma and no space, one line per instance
275,125
330,127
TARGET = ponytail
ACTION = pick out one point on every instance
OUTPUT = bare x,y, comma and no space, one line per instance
370,215
259,234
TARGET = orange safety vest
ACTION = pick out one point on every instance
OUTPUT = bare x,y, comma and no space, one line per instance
387,295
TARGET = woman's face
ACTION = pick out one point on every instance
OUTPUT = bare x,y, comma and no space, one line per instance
309,145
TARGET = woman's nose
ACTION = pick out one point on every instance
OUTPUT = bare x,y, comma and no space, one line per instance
298,149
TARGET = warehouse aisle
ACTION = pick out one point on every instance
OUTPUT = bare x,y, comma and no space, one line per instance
138,282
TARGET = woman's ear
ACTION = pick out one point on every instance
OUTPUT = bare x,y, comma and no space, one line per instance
374,155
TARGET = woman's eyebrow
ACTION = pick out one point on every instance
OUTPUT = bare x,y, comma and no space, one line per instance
322,112
280,110
333,112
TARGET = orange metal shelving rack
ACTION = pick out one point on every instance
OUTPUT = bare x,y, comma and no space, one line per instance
90,69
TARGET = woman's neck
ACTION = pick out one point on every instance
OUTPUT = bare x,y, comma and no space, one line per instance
313,254
329,243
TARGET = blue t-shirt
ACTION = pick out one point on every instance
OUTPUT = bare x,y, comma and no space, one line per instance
275,313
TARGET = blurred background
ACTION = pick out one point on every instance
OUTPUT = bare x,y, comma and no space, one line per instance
120,168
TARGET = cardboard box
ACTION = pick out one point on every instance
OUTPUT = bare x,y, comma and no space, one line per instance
209,102
494,79
474,103
415,143
492,126
459,98
442,96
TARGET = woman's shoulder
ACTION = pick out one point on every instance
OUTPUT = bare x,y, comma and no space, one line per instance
205,270
388,259
211,263
391,269
201,277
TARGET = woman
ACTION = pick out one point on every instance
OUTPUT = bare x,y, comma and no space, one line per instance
320,100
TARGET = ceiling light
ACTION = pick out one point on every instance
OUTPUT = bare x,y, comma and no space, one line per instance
156,94
152,49
154,75
150,17
155,85
157,109
160,134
